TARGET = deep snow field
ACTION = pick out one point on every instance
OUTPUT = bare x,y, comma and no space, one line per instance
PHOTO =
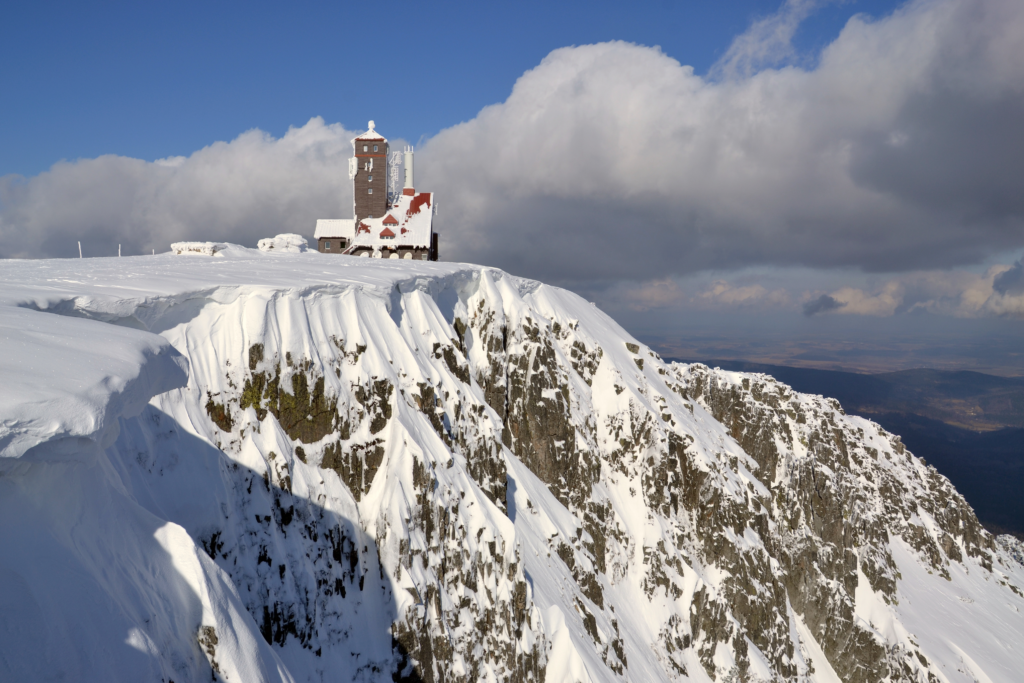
293,466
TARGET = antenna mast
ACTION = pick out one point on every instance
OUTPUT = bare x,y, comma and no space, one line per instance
394,161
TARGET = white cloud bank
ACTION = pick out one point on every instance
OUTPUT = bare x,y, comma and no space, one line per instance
240,191
900,151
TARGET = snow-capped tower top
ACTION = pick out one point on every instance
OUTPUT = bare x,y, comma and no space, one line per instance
370,134
368,171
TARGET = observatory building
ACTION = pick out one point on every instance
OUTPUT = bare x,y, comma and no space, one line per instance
388,221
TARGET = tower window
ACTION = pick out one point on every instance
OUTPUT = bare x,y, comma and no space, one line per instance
375,148
327,246
369,178
365,148
370,191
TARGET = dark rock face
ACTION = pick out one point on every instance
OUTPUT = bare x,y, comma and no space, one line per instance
538,427
306,415
835,511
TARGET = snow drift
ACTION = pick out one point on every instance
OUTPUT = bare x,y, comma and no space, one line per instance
290,466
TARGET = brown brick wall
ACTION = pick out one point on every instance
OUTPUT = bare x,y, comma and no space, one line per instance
377,203
338,245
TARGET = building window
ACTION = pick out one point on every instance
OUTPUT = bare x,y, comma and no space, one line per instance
369,178
327,246
370,191
365,148
375,148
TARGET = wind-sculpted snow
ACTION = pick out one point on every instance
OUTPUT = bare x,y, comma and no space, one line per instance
440,472
65,383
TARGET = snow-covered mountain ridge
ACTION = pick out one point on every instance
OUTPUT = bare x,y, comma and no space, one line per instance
303,467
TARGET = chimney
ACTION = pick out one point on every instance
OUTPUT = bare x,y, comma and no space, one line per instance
408,170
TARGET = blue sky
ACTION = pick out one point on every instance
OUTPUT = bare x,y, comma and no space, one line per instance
765,174
153,80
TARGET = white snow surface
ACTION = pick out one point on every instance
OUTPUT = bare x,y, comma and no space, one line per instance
287,242
126,513
198,248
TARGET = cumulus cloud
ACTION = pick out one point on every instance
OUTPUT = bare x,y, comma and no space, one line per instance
252,187
899,151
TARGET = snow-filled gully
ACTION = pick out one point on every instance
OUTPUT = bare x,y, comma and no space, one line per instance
259,467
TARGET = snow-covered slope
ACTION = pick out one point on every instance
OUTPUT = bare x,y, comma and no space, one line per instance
292,466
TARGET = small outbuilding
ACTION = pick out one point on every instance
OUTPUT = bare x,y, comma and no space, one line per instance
334,235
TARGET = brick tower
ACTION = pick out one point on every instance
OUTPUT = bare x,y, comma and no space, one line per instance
368,170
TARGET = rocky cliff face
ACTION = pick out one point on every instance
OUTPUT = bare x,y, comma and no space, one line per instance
462,476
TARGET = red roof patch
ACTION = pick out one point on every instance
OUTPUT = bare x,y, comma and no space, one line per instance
386,232
418,201
363,227
390,220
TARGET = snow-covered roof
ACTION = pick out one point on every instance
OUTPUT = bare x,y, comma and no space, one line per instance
335,227
413,217
371,134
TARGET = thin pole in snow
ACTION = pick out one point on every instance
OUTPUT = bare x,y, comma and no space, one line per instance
119,250
79,248
154,251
